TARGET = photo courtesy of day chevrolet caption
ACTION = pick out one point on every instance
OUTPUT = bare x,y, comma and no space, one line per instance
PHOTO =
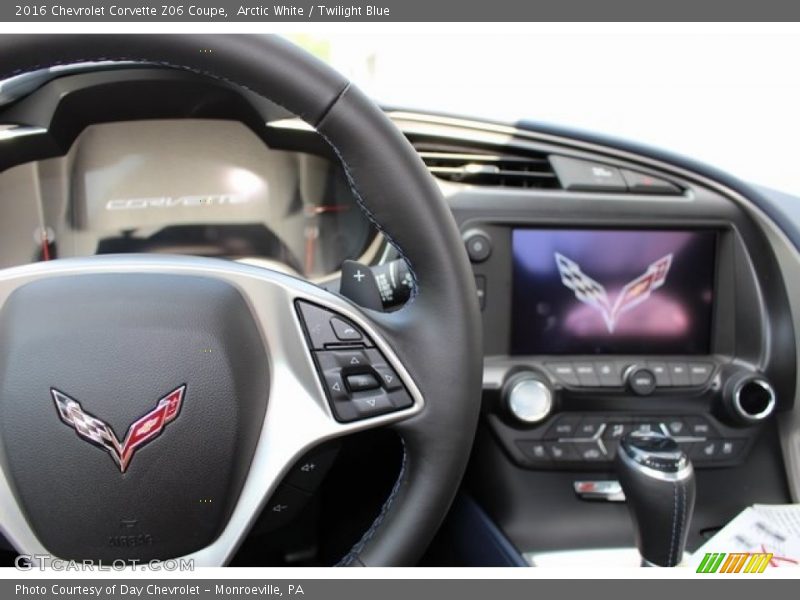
275,301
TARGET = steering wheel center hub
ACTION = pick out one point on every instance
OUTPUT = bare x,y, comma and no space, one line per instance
130,407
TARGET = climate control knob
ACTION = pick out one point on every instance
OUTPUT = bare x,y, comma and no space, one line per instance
528,398
640,380
749,399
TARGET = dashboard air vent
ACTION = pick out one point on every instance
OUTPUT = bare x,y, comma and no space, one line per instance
478,166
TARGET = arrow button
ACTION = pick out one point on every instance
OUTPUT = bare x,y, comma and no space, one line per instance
389,378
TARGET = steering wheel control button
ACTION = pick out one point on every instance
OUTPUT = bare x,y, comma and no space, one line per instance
308,472
325,329
641,183
679,374
345,331
361,382
700,372
587,176
478,244
349,359
563,372
335,385
641,380
388,377
286,504
359,285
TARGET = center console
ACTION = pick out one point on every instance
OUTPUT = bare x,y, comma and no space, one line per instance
593,332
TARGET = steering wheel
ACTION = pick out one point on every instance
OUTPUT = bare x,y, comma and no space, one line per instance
221,375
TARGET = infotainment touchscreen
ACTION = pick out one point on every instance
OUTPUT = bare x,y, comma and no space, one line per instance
592,291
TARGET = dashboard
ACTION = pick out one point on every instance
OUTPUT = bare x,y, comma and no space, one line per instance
617,292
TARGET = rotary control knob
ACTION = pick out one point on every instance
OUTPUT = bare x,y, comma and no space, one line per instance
641,380
749,399
528,398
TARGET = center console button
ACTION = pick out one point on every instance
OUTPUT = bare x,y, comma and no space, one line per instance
678,373
699,427
615,431
566,426
590,451
647,427
563,372
661,372
675,427
535,452
704,451
700,372
589,427
609,373
729,449
562,452
586,374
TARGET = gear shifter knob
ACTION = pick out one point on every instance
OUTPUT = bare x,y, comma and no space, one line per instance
658,480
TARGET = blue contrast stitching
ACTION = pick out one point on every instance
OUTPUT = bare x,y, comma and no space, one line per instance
353,555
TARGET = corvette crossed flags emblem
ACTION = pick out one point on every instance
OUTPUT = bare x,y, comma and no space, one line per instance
142,431
594,294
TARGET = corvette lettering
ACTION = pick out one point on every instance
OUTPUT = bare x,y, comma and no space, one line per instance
592,293
141,432
179,201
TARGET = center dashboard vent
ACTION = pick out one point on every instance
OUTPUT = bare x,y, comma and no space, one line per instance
479,166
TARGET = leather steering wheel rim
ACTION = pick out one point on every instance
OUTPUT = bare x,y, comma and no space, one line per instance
436,335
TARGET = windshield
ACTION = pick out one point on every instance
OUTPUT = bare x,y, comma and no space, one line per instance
728,98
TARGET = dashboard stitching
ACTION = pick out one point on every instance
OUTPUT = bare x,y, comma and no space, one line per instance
353,556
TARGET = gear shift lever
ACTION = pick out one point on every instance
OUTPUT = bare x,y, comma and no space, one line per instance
658,480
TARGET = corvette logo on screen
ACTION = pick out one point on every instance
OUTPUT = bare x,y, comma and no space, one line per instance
590,292
143,430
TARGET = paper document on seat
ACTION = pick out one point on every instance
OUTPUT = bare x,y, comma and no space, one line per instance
766,529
